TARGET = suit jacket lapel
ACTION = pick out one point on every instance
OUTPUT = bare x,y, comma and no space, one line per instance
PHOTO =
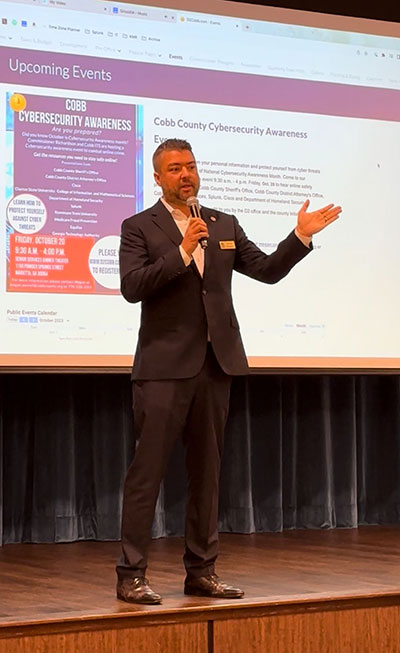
206,214
163,219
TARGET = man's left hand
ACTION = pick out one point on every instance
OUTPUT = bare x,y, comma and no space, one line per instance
311,223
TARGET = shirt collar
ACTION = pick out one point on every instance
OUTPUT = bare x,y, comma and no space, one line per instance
177,214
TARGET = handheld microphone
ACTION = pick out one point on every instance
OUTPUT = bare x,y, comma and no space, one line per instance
193,204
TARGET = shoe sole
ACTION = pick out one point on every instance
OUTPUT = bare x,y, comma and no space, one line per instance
123,598
197,592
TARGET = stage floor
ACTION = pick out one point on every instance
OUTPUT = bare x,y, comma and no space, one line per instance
60,581
47,584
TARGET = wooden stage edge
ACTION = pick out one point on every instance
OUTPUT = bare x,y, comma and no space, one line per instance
306,592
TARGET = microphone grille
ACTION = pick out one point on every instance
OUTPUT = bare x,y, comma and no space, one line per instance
192,201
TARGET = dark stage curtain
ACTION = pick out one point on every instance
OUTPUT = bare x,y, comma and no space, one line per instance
300,452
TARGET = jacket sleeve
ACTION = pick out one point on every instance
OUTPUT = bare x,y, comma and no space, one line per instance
268,268
141,277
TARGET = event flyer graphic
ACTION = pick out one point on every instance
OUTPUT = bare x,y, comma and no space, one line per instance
76,174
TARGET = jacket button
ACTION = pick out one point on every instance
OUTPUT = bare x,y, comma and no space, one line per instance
204,292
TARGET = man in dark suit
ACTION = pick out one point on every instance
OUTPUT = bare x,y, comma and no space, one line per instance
188,349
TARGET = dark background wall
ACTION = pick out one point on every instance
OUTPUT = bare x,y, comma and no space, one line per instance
383,10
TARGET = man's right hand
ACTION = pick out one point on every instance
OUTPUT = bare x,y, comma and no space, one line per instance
196,229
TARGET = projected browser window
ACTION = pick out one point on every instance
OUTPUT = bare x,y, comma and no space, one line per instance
276,113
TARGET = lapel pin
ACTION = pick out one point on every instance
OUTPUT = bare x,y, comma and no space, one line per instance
213,218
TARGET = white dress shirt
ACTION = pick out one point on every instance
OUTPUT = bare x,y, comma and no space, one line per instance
181,220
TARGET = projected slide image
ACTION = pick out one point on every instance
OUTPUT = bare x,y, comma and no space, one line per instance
257,164
276,113
73,168
261,165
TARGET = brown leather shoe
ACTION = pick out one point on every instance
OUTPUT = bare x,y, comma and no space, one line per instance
137,590
211,586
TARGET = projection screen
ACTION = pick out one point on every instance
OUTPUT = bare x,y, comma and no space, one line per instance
279,106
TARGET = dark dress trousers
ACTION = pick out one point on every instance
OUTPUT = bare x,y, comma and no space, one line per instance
189,346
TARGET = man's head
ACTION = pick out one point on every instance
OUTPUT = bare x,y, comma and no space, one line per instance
175,171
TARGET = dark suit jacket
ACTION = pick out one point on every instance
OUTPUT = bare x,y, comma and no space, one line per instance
179,307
